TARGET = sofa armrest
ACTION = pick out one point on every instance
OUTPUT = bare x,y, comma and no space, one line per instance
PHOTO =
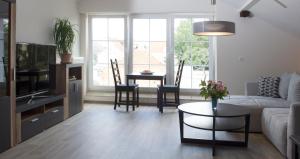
293,127
251,88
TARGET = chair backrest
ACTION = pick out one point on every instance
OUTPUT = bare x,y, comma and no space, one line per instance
179,73
116,72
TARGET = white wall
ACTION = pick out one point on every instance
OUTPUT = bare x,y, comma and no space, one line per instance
145,6
258,48
35,19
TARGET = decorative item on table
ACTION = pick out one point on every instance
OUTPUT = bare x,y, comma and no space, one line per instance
214,90
147,72
64,36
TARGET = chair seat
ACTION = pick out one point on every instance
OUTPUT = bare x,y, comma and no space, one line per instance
168,88
127,87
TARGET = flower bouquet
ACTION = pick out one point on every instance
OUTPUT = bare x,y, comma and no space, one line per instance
213,89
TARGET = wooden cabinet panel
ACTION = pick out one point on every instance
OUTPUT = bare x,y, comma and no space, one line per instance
32,126
54,116
75,97
4,123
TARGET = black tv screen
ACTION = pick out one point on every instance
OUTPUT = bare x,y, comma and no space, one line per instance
33,63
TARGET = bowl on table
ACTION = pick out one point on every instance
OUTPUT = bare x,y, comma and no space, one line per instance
147,72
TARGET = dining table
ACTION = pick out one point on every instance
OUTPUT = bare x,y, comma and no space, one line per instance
146,76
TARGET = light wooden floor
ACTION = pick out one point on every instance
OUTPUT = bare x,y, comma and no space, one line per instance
101,133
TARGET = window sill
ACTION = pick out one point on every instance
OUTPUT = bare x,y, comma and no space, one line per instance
145,98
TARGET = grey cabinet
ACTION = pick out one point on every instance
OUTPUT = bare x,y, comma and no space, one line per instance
39,115
75,97
4,123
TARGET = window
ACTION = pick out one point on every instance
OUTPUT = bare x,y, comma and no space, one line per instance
193,49
149,47
152,42
107,43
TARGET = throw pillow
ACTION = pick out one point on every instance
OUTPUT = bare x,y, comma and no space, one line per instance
294,89
284,85
268,86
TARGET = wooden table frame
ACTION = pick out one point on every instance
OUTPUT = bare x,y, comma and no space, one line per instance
139,76
214,142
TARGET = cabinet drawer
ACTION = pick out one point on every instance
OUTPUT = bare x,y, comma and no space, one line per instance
54,116
32,126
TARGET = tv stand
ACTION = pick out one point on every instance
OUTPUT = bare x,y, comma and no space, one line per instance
32,98
38,114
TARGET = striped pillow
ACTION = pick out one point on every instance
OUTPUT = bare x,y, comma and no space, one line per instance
268,86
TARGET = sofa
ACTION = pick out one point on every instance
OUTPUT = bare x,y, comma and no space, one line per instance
276,118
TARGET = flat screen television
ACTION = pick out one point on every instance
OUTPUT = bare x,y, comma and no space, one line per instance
33,68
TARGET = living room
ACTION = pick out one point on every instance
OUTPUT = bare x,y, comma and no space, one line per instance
81,113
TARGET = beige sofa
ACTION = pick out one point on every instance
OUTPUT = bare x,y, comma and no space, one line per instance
276,118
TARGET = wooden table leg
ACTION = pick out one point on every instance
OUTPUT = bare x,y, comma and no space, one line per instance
247,121
181,125
214,137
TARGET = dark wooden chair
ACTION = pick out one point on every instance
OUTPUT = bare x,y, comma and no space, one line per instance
162,91
120,88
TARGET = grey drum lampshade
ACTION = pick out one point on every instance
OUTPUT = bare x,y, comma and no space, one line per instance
215,28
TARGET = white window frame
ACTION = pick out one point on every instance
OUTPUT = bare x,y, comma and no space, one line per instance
128,50
90,57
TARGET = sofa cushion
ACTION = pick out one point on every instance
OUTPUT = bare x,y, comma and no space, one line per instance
294,89
284,85
255,105
268,86
274,127
269,102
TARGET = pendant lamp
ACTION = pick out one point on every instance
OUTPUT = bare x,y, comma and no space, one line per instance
214,28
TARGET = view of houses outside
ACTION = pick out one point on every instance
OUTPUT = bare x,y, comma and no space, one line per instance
149,49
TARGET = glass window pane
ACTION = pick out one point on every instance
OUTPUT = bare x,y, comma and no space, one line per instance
199,74
193,49
186,78
99,29
140,29
100,52
140,53
199,53
158,53
100,74
158,28
116,28
116,51
182,51
182,29
158,68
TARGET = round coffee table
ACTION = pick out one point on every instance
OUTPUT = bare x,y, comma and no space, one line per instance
224,118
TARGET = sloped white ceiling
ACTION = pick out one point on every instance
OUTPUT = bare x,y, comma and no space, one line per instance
236,3
287,19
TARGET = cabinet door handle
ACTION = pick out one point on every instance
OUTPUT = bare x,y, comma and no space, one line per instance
35,120
74,87
55,111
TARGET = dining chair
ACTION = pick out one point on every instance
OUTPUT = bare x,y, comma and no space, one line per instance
121,88
162,91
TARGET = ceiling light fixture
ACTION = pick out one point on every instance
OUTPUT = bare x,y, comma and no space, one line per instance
214,28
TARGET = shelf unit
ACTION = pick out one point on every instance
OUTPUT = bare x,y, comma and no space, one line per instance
40,114
68,81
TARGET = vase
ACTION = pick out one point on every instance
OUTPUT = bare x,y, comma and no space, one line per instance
214,102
